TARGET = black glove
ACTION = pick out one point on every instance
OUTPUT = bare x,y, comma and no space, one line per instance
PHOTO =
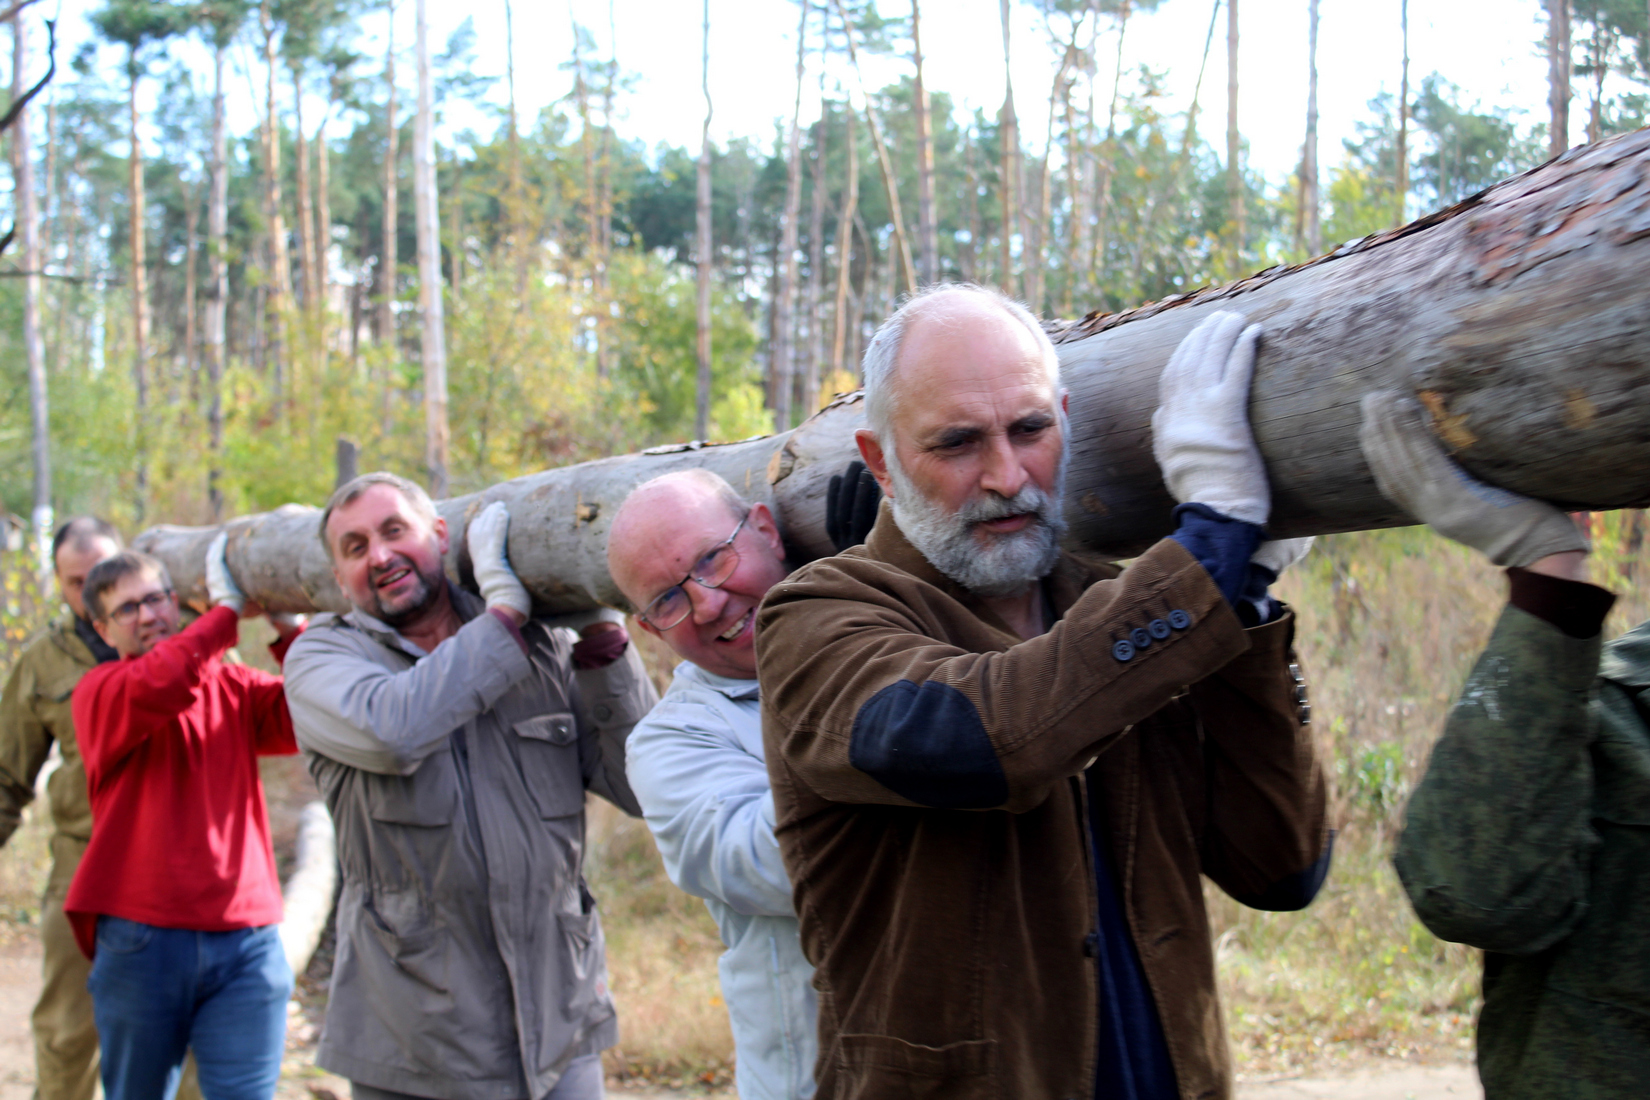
851,506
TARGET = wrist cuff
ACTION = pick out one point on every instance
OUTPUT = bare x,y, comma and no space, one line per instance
1576,608
1221,544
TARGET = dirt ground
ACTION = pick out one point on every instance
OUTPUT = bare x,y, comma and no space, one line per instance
288,788
301,1080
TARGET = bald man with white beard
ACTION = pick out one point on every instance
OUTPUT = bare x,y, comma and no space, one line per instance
1000,769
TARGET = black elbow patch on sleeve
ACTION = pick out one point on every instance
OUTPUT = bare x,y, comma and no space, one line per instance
926,742
1296,891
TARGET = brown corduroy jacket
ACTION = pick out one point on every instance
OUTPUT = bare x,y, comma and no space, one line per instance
927,767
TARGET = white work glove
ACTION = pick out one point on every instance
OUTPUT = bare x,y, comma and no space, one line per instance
1280,554
1200,431
490,561
1415,473
221,589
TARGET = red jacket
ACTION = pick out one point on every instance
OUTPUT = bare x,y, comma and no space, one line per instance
171,741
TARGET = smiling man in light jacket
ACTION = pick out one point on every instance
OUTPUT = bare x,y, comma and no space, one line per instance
696,559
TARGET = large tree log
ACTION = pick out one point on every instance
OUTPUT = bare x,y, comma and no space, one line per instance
1519,317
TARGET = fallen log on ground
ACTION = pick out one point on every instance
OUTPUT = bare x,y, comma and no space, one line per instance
1520,318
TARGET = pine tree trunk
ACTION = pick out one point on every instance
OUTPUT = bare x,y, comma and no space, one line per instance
306,204
1009,135
385,277
139,291
217,294
703,257
34,350
1403,119
323,227
1558,76
845,247
433,342
1234,149
1492,313
781,380
816,262
928,240
1311,233
279,265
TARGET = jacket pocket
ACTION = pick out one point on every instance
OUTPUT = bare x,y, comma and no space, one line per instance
877,1056
550,766
427,797
585,976
418,953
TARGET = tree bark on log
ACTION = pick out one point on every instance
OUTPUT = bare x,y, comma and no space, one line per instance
1518,317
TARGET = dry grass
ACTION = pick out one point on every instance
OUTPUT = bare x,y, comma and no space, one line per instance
662,948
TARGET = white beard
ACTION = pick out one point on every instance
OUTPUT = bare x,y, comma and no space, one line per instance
993,566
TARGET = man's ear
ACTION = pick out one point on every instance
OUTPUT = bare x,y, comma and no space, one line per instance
102,629
871,451
762,521
440,529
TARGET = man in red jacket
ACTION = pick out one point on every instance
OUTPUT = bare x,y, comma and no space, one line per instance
176,900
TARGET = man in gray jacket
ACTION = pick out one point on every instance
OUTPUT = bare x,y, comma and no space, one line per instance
454,743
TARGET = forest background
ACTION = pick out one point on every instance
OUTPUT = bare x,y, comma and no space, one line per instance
193,316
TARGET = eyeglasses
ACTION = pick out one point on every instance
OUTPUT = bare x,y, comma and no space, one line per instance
711,571
128,611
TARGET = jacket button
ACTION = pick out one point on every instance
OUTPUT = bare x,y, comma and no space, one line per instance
1159,629
1140,638
1179,619
1091,945
1123,650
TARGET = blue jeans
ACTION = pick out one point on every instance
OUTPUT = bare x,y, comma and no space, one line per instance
160,992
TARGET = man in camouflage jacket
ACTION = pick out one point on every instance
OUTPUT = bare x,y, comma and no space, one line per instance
1529,836
34,714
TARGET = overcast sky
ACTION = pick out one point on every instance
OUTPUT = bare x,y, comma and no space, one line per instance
1488,47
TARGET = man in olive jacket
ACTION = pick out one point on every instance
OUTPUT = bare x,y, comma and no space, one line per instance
34,714
1529,835
1000,769
454,743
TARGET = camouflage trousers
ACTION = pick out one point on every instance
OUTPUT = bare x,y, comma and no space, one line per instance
65,1036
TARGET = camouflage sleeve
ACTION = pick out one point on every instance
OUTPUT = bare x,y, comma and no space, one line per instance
24,744
1497,836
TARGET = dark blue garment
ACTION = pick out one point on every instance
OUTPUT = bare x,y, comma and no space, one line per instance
926,742
157,992
1221,544
1132,1057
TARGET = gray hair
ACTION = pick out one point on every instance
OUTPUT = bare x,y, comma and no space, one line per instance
882,355
346,493
713,482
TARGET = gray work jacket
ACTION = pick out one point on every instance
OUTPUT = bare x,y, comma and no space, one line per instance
470,961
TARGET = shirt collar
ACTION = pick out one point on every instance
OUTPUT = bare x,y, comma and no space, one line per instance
465,603
727,685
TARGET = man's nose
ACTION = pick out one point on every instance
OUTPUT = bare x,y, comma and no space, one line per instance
1001,470
707,602
148,612
379,553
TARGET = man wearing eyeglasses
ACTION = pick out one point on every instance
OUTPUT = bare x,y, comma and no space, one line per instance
454,738
696,559
176,901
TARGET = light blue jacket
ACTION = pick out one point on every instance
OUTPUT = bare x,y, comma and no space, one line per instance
696,765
